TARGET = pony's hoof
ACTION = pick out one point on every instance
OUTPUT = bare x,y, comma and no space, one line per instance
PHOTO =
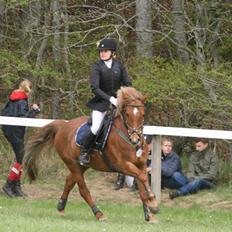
100,216
102,219
153,220
154,210
61,213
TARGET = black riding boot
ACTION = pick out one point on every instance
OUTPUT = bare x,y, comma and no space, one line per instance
84,158
18,190
120,181
8,188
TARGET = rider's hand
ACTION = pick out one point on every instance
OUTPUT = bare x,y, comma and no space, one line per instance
114,101
36,108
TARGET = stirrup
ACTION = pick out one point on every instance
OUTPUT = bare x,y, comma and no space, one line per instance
84,159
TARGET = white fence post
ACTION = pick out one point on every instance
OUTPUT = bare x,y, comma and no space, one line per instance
156,167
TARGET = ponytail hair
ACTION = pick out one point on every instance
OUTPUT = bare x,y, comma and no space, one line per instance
25,85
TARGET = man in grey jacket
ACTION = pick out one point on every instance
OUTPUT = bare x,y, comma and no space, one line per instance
203,170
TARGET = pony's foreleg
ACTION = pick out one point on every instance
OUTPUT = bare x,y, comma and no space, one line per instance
141,175
69,184
146,194
145,202
151,203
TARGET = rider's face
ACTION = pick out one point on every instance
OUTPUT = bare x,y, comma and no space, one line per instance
105,54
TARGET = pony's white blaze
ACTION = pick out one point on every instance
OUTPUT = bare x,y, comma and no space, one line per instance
135,111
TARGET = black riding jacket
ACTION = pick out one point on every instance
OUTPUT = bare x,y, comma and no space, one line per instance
105,82
17,106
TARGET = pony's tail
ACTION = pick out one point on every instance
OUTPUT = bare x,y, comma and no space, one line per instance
44,137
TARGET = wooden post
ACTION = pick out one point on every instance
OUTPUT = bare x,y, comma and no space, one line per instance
156,167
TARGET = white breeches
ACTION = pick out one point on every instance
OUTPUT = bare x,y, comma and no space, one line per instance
97,118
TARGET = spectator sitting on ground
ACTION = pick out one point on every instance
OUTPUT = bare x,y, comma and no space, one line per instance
171,169
203,170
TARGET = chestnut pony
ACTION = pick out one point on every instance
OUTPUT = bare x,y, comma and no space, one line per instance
125,151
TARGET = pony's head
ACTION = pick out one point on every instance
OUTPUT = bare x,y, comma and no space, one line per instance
132,110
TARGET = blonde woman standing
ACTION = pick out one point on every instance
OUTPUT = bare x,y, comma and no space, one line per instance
17,106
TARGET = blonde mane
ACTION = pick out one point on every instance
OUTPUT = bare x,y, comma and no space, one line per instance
125,95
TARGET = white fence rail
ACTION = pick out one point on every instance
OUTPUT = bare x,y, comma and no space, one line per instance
156,131
33,122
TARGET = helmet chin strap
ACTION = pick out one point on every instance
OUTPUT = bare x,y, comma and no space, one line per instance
109,58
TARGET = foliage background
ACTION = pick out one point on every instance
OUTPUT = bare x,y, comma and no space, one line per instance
182,62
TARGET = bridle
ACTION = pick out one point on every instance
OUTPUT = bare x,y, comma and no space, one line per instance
137,131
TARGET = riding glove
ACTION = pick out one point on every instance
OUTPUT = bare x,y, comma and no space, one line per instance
114,101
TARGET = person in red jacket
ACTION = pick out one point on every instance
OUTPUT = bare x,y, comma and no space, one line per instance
17,106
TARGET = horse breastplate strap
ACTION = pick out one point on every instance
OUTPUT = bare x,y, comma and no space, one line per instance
124,137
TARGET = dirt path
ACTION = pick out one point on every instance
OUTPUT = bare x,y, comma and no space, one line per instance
101,186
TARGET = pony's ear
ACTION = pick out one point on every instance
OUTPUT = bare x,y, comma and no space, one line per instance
124,93
144,98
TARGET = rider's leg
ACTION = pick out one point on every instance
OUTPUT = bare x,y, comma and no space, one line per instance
97,118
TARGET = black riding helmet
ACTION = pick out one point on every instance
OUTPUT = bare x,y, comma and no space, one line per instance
107,44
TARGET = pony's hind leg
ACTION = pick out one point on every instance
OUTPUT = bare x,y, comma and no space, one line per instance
69,184
84,192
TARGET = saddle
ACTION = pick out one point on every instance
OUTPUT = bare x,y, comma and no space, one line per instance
103,134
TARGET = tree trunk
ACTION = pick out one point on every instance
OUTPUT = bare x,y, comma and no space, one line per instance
43,44
56,53
30,24
2,10
214,38
42,48
143,28
200,33
66,58
179,30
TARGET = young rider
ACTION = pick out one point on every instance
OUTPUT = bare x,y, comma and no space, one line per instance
108,75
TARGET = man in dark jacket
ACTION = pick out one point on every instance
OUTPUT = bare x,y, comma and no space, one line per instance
203,170
171,170
17,106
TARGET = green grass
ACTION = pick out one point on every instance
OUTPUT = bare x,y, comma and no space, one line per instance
202,212
21,215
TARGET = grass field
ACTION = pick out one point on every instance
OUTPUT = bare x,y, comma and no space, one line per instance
33,215
202,212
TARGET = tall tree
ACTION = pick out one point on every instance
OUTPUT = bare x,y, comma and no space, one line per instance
56,48
144,27
179,30
42,48
2,10
200,32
